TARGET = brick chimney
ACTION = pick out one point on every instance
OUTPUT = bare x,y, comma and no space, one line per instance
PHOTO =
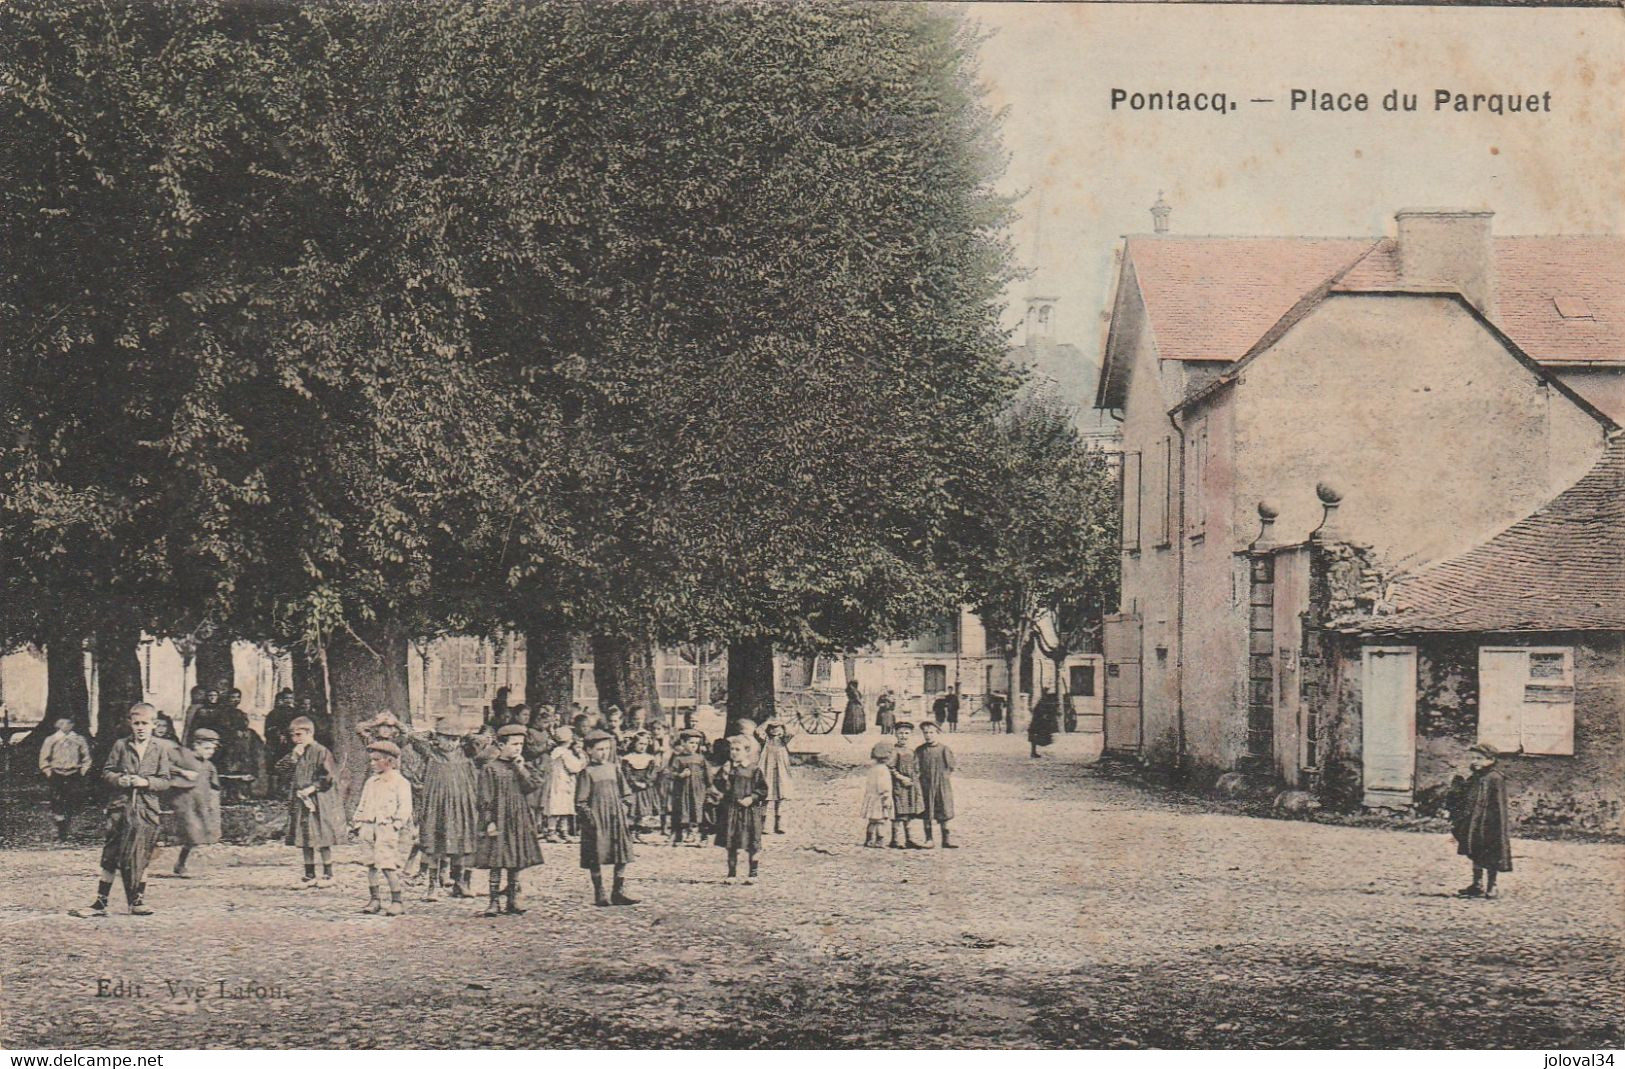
1450,249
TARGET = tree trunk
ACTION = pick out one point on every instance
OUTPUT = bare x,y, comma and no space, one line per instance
118,677
750,680
367,673
214,668
549,668
66,694
644,682
611,670
308,681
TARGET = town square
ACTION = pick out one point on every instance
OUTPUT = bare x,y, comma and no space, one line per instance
731,525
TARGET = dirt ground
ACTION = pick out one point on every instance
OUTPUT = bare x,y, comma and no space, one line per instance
1082,911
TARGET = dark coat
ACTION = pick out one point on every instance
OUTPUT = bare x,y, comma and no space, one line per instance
1485,835
1046,721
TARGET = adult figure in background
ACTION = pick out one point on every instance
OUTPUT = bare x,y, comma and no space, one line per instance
885,711
497,715
854,722
323,722
277,743
195,707
64,761
1046,721
952,708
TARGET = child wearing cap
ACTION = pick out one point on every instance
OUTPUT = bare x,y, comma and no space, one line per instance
195,799
509,839
661,740
935,763
907,802
64,761
877,797
601,813
564,764
387,727
382,822
315,820
138,768
448,824
1480,824
775,765
690,777
741,805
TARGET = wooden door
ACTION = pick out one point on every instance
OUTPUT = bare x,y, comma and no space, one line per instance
1388,724
1122,639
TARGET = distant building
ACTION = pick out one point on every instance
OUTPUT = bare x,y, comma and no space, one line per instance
1061,370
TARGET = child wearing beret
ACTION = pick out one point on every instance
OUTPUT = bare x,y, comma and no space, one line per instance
689,779
509,839
195,800
877,798
315,818
382,823
601,793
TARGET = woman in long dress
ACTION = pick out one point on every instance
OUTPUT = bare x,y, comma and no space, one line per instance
854,722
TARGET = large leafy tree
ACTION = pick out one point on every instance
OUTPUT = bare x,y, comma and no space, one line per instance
795,260
1038,539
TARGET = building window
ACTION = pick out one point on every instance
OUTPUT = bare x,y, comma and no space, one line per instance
1526,699
1081,681
1130,491
1196,478
936,678
942,637
1163,519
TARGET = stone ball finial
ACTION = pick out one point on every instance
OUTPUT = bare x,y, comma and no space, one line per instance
1328,494
1268,510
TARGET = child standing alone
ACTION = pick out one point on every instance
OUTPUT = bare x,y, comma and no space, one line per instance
139,768
877,799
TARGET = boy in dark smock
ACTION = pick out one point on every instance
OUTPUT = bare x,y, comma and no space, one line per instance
1481,825
509,839
315,817
689,776
601,813
195,800
742,807
935,763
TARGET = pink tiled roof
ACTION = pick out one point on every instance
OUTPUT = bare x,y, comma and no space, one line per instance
1532,275
1560,569
1212,298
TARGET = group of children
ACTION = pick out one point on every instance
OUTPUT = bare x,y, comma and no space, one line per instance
457,802
906,783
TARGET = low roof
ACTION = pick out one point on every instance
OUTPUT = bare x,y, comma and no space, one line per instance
1560,569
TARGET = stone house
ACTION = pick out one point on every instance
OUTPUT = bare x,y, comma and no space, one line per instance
1439,384
1518,642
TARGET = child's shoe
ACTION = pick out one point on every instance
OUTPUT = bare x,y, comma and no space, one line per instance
1475,891
140,909
373,905
618,896
394,907
306,883
97,908
324,881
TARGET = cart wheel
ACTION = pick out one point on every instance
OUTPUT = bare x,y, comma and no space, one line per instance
820,721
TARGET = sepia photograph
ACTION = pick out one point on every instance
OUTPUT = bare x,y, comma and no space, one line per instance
848,525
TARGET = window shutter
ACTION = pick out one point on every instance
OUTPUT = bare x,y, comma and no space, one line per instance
1548,703
1501,677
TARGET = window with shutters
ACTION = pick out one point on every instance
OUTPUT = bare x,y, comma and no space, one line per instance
1196,479
1130,491
1163,517
1526,699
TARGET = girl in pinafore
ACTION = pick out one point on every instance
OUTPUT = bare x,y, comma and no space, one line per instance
509,839
564,764
775,765
601,816
448,826
315,817
639,767
741,806
689,776
877,800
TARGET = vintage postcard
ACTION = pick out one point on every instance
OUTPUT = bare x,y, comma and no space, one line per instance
584,524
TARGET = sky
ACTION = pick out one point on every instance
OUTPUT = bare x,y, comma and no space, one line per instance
1089,175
